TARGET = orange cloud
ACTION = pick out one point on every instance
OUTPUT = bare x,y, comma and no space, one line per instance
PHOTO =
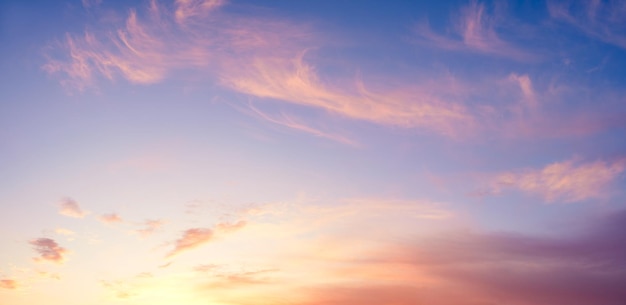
69,207
567,181
193,238
110,218
8,284
48,250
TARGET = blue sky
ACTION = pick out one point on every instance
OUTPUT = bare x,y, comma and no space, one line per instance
279,152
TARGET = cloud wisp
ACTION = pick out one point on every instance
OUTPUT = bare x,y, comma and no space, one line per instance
48,250
70,208
195,237
261,58
601,20
567,181
475,32
110,218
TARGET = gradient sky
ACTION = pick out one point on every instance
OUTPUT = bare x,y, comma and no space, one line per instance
214,152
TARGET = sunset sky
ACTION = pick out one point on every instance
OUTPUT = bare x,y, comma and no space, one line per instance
215,152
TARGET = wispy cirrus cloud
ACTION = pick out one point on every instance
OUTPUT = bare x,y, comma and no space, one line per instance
69,207
475,31
195,237
601,20
295,81
293,122
566,181
261,58
48,250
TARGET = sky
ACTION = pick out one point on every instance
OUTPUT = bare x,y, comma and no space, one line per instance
225,152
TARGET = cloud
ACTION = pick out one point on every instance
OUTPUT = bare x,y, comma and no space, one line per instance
292,122
195,237
476,32
8,284
567,181
259,57
64,231
186,9
150,226
584,266
601,20
191,238
294,81
69,207
110,218
91,3
48,250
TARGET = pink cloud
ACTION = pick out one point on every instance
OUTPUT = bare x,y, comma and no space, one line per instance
191,238
602,20
294,123
294,81
195,237
8,284
69,207
567,181
110,218
48,250
476,32
190,8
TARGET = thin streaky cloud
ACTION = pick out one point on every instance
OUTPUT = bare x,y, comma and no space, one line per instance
294,123
69,207
186,9
601,20
476,32
48,250
260,58
566,181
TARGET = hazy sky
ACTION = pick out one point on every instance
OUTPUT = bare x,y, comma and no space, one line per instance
213,152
